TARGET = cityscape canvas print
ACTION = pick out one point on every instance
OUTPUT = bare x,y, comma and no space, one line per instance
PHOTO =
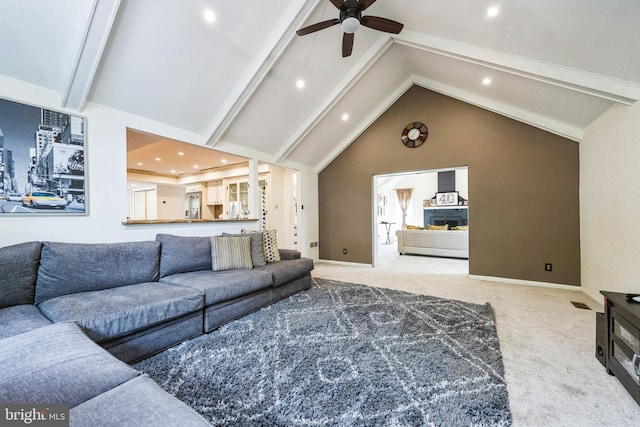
42,161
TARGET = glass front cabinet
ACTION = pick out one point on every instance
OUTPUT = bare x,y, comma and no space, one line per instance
238,200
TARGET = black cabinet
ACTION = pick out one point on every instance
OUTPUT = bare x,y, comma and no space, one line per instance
623,340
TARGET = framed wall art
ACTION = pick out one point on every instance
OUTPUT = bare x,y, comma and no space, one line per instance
449,198
42,161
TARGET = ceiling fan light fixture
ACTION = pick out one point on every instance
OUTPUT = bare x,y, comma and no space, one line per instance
350,25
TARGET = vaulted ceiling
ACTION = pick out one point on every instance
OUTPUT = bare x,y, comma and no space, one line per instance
557,65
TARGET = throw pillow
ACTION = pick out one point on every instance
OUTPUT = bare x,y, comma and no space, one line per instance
230,253
257,251
462,228
437,227
269,242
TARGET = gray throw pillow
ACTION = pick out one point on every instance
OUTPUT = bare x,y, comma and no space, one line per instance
257,251
269,244
230,253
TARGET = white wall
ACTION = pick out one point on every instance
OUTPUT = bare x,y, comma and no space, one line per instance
610,202
171,202
106,157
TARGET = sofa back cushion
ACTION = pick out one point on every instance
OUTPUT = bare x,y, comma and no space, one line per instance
182,254
18,270
68,268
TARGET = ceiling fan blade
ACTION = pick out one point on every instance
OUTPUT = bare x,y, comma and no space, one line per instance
364,4
337,3
317,27
347,44
382,24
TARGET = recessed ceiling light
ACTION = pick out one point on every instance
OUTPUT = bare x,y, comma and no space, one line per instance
196,167
209,16
345,117
140,164
224,160
157,159
492,11
486,81
300,84
173,171
180,153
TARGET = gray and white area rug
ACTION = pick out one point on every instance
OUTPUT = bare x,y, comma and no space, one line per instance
341,354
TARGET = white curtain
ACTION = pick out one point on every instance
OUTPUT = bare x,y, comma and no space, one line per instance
404,197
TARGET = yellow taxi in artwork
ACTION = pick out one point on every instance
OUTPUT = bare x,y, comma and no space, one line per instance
43,199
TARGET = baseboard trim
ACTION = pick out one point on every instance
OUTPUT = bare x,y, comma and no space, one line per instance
526,282
351,264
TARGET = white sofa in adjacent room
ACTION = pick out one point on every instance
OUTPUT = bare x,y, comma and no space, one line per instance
445,243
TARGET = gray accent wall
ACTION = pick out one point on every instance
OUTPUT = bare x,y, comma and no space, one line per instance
523,187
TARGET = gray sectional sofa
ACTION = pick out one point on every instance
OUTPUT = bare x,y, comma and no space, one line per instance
63,304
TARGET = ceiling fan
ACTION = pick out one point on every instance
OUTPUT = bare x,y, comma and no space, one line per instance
350,20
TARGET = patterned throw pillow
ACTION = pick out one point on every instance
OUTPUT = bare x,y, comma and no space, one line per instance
269,243
230,253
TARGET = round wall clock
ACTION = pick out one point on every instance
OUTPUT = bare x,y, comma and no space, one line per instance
414,134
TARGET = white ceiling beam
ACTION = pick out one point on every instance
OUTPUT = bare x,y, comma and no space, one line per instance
95,39
340,90
265,59
525,116
615,90
364,125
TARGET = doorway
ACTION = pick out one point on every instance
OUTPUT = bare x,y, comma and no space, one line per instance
387,215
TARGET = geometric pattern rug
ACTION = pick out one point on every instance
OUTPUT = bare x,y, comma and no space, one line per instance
348,355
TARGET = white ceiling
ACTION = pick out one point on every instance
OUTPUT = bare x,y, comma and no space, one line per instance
557,65
170,158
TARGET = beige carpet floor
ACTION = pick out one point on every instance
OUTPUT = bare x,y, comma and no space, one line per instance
548,345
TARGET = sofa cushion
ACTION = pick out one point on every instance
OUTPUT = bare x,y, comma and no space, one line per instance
18,269
257,251
20,318
116,312
288,270
139,402
219,286
67,268
181,254
230,253
57,364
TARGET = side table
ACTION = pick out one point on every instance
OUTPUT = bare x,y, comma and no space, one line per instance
388,227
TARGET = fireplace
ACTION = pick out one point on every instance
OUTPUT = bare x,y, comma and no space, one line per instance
454,217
